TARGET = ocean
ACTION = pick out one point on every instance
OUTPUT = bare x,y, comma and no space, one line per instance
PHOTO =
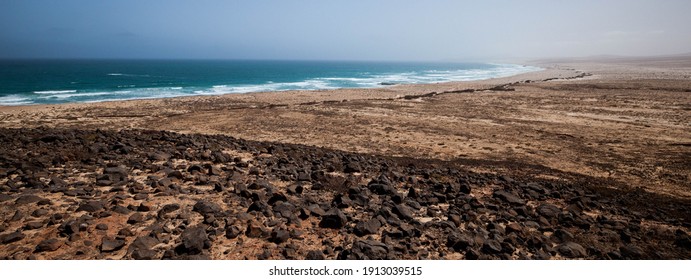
25,82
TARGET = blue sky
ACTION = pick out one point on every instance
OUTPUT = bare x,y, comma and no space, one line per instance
342,30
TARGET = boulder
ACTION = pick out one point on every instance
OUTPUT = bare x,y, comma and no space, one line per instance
91,206
509,197
194,240
403,212
205,207
333,218
572,250
48,245
548,210
109,244
11,237
370,226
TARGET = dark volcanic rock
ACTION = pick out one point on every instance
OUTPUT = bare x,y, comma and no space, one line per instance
333,218
233,231
109,244
51,138
403,212
259,206
17,216
561,236
381,189
26,199
68,228
631,251
91,206
136,218
206,207
352,168
295,189
121,209
255,230
572,250
277,197
39,212
159,156
302,176
33,183
144,254
194,240
315,210
116,173
369,227
175,174
492,247
315,255
56,182
11,237
195,167
213,170
142,243
103,181
683,240
33,225
465,188
513,227
167,209
126,232
459,241
141,248
548,210
144,207
367,250
379,199
279,236
48,245
286,209
509,197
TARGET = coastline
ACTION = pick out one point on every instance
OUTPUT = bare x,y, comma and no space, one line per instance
209,78
605,143
259,115
403,87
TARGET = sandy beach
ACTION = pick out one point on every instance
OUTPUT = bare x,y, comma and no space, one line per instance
585,159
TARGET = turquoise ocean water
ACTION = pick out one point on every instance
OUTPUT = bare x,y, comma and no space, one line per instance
61,81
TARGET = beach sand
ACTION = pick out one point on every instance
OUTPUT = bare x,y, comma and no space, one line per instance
617,129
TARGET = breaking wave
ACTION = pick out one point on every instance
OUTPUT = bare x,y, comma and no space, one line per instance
362,79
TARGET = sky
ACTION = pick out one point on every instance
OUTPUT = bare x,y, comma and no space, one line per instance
430,30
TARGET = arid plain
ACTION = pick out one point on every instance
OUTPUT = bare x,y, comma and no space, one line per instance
586,159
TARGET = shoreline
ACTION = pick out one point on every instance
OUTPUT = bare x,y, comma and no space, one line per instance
589,160
182,114
365,92
368,81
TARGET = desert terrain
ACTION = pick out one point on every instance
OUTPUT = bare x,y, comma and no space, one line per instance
586,159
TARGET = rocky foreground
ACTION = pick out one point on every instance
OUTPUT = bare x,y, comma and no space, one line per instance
133,194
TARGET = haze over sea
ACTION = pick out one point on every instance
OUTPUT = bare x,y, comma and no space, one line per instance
61,81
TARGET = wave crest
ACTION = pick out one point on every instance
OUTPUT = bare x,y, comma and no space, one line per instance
55,91
325,82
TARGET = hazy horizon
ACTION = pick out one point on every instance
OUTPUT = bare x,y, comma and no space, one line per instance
341,30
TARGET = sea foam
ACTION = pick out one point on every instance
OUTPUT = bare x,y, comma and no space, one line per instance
188,81
55,91
14,100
